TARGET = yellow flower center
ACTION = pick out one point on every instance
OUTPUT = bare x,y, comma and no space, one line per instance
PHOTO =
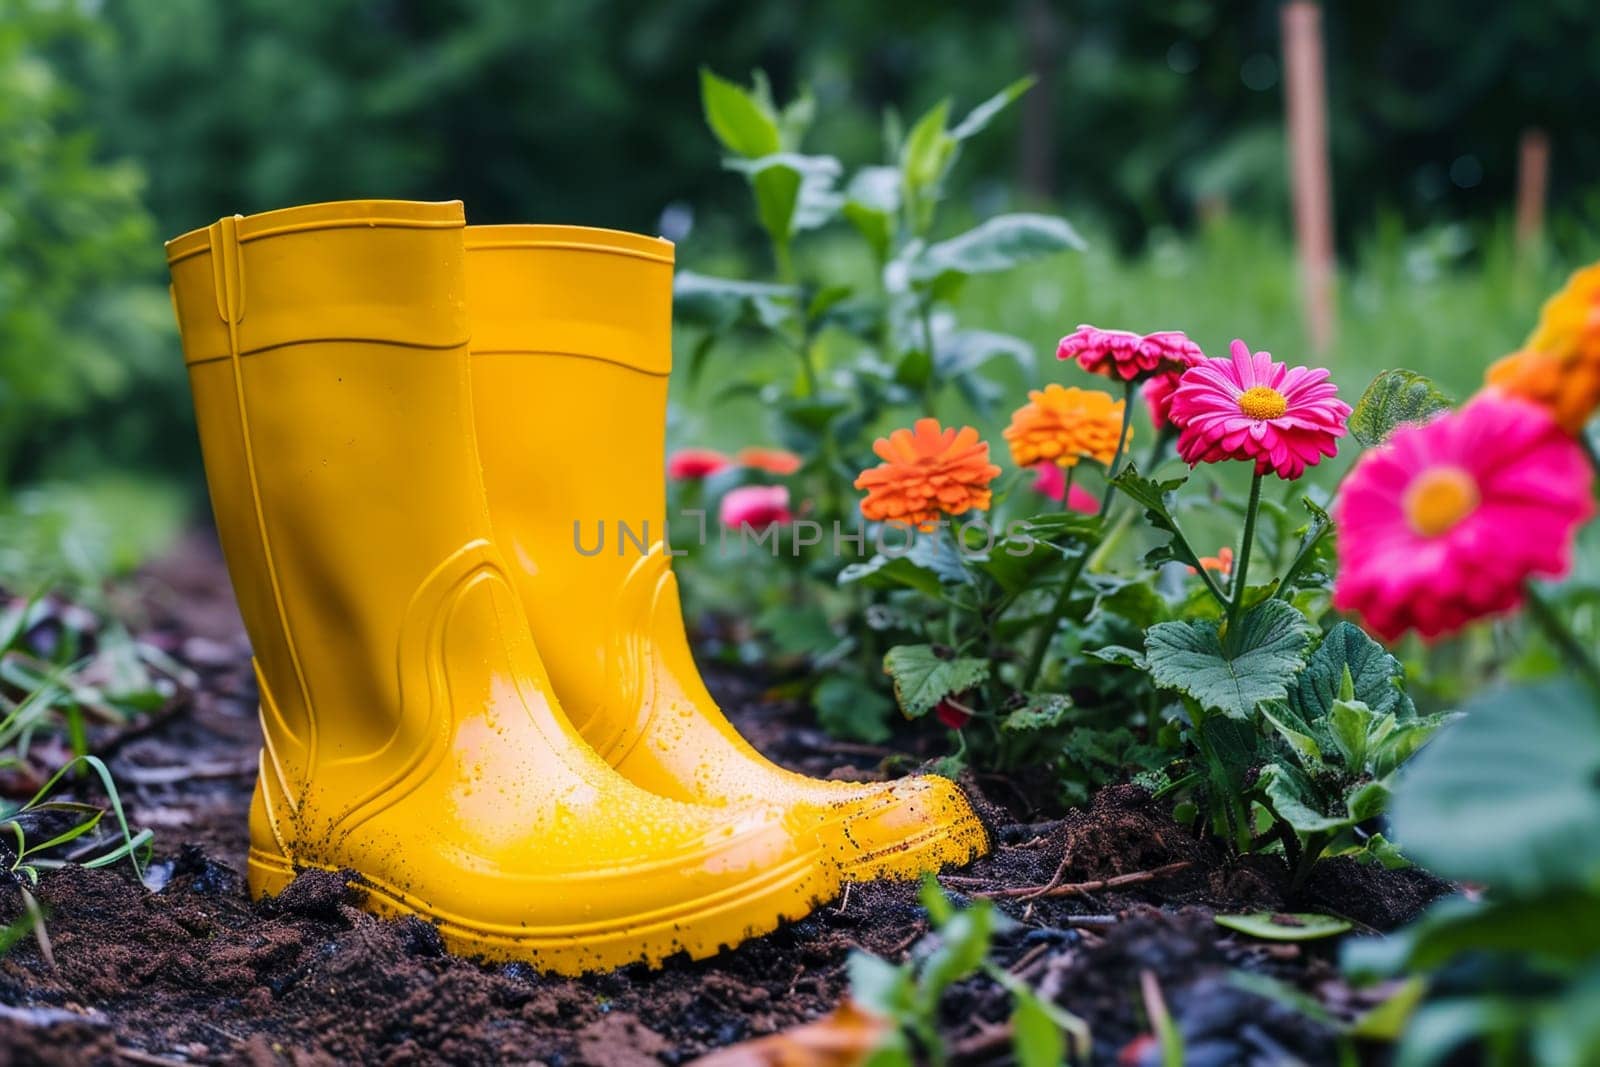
1263,402
1438,499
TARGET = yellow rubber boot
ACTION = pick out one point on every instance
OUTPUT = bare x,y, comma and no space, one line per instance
571,350
410,732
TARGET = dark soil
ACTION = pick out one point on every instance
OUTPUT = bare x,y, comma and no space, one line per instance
186,969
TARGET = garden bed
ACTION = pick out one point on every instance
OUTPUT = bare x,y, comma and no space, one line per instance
189,970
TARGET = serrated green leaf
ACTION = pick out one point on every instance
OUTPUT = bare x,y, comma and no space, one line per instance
1395,398
738,118
1279,926
1348,724
922,678
1376,676
1255,664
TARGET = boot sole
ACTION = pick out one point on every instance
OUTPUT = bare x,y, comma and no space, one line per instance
699,929
936,849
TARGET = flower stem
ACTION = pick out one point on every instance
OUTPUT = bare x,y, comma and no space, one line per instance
1042,644
1560,635
1122,445
1242,561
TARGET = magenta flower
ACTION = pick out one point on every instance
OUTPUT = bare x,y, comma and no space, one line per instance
692,464
755,506
1283,419
1129,356
1443,524
1051,481
1158,397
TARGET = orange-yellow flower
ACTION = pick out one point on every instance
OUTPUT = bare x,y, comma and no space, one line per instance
1558,366
927,471
772,460
1060,425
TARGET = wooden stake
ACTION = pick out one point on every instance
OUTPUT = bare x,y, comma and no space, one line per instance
1306,114
1533,183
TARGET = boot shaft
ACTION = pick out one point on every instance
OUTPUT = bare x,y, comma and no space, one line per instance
326,349
572,338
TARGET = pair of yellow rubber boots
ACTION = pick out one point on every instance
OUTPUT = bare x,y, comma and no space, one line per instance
403,421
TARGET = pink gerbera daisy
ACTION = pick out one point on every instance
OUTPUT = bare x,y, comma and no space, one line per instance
1444,524
1283,419
1128,356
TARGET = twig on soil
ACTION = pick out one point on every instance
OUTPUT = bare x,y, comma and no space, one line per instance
1074,889
188,772
133,1055
987,1039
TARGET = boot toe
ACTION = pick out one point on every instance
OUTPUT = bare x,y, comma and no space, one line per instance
903,829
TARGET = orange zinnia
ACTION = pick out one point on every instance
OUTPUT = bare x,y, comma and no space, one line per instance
926,472
772,460
1558,367
1061,426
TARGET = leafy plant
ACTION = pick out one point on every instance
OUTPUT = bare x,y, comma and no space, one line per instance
1507,799
1043,1034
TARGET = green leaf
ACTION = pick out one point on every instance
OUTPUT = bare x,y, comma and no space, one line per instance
966,350
793,192
850,708
928,149
879,986
1294,799
1255,664
963,944
740,121
1156,499
717,303
922,677
979,117
1562,925
1044,711
1376,676
1395,398
997,244
871,201
1035,1037
1509,796
1348,725
1279,926
1296,733
892,572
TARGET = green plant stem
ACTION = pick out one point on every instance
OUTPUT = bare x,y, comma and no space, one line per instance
1122,445
1242,561
1042,644
930,385
1561,636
